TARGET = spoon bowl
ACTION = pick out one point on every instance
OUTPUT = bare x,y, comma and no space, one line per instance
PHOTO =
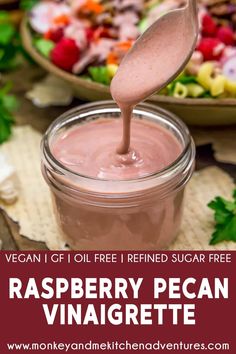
158,56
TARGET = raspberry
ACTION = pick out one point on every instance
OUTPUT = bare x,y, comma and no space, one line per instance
211,48
54,35
226,35
65,54
209,27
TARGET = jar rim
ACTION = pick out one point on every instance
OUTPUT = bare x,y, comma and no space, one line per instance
145,107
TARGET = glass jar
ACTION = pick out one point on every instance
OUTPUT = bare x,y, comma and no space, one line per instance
140,214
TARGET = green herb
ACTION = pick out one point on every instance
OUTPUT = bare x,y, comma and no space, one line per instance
207,95
100,74
10,43
225,218
184,79
7,32
44,46
27,5
8,104
4,16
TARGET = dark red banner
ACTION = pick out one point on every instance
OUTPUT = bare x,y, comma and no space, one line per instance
117,302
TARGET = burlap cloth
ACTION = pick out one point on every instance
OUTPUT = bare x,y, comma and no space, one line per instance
33,211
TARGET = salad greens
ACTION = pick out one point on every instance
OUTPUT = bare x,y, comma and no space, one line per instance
44,46
100,74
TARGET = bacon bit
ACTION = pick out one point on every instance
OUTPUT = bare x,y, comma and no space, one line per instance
101,32
62,20
112,58
92,6
54,35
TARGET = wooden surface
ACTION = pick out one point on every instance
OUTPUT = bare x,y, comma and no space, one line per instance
40,119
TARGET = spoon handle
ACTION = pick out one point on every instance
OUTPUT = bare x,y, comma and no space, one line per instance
192,8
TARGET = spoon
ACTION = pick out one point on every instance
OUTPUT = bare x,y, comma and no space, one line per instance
156,58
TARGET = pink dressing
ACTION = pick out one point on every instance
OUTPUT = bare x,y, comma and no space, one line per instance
89,149
117,209
154,60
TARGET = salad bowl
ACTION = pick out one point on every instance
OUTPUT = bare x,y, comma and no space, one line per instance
194,111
